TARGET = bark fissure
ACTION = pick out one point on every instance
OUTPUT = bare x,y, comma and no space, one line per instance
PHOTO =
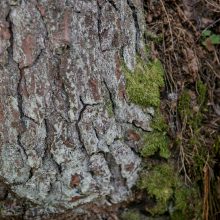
63,88
136,126
80,118
136,23
110,97
47,152
78,121
21,145
113,5
99,8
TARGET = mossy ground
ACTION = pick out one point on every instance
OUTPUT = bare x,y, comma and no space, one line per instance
130,215
162,182
171,194
192,77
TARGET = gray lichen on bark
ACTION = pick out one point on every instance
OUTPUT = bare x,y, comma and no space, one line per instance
59,72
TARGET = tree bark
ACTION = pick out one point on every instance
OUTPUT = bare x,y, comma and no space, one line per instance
67,129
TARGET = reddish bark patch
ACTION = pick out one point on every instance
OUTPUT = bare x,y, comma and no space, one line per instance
28,46
75,180
66,27
93,84
63,34
129,167
121,91
117,68
1,113
75,198
132,135
41,10
4,31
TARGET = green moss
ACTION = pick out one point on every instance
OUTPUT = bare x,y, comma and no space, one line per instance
216,145
156,140
153,37
184,104
153,142
131,215
182,195
202,90
196,121
178,215
158,123
143,84
194,118
188,204
159,183
170,193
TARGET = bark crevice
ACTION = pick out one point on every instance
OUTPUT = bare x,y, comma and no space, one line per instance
136,23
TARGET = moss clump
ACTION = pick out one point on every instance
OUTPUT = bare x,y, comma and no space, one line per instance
192,117
188,204
158,122
159,184
153,142
202,90
216,145
153,37
184,104
131,215
143,84
170,193
156,140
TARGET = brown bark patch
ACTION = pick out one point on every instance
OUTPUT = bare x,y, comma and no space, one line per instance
93,84
129,167
75,180
41,10
132,135
4,31
117,68
121,91
28,46
1,113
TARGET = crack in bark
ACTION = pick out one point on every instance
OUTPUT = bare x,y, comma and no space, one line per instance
113,5
96,132
136,126
47,152
63,88
19,99
110,97
19,89
78,121
135,18
21,146
99,24
112,162
80,118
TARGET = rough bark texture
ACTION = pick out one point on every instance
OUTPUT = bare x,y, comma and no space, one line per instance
67,129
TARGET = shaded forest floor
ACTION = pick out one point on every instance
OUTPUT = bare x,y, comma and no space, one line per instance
185,36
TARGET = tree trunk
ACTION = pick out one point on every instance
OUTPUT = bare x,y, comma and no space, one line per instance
67,130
